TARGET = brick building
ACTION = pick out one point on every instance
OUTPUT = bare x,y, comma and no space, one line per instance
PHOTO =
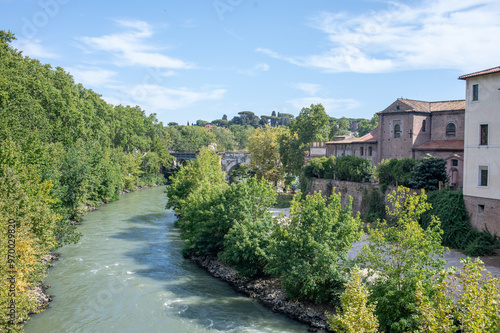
412,129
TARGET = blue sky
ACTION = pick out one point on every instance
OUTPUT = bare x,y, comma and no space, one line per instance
200,59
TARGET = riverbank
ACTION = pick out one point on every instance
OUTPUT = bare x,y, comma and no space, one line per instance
268,292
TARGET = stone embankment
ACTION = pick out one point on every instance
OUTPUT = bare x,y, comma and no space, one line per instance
268,292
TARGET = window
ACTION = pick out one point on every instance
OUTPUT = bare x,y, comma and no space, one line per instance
480,209
369,151
454,163
397,107
397,131
361,151
475,92
450,129
483,139
423,126
483,176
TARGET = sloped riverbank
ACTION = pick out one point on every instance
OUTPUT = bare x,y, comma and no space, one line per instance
268,292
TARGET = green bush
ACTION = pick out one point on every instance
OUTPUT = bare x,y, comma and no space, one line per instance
246,243
356,314
353,168
283,200
427,174
396,171
449,207
376,206
308,252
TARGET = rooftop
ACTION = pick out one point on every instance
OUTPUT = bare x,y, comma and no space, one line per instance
483,72
371,137
410,105
442,145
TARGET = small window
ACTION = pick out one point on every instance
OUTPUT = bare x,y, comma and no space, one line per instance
480,209
483,140
361,151
423,126
483,176
397,107
369,151
475,92
450,129
454,163
397,131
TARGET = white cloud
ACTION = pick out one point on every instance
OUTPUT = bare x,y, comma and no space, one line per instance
33,48
92,76
453,34
257,69
330,104
155,98
130,48
308,88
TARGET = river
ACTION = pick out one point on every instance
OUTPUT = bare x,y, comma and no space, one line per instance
127,274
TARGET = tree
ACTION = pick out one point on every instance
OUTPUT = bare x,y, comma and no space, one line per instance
428,172
356,314
264,148
476,309
285,119
246,242
311,124
398,257
353,168
307,251
365,126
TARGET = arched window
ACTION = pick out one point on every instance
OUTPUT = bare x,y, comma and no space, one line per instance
423,126
451,129
397,131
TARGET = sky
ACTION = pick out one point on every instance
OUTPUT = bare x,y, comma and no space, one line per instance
200,59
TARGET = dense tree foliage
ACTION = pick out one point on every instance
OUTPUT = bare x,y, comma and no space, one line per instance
366,126
395,171
475,310
449,207
356,314
266,158
307,251
62,149
399,257
428,172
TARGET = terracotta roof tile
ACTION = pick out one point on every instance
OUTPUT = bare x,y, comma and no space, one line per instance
410,105
442,145
484,72
370,137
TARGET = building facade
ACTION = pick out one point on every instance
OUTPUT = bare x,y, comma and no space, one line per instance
412,129
482,149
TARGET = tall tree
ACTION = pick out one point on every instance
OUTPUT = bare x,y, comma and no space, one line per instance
264,147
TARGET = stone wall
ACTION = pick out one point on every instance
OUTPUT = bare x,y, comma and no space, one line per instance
358,192
483,213
348,189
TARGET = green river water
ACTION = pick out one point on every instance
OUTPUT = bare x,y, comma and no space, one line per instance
127,274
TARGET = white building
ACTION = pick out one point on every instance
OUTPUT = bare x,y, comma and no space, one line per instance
482,149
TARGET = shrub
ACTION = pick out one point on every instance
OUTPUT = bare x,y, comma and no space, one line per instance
246,243
306,252
376,206
353,168
356,315
428,172
396,171
449,207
